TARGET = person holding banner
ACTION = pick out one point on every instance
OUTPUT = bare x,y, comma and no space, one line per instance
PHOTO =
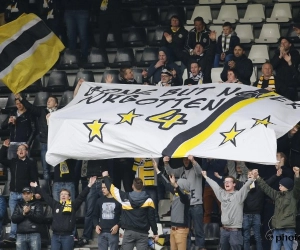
192,171
179,210
232,203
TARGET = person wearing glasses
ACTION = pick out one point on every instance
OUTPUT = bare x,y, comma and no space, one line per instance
232,203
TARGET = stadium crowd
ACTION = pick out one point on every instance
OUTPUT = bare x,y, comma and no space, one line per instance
244,198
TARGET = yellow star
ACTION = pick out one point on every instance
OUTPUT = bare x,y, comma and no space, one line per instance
128,118
265,121
95,127
231,135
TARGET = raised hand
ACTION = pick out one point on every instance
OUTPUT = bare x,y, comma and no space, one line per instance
92,181
255,173
296,171
166,159
204,174
168,37
109,78
172,180
6,143
33,184
144,73
191,158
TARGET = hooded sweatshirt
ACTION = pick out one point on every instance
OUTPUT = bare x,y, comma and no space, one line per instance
138,210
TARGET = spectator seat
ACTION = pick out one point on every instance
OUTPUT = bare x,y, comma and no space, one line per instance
58,81
269,33
203,11
227,13
245,33
281,13
41,98
66,98
259,53
255,13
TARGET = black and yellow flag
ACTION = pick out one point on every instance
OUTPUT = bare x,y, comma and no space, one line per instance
28,49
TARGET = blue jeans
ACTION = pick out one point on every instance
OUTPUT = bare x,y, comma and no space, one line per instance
231,240
252,221
28,241
58,186
90,202
283,237
46,166
14,199
106,240
65,242
196,218
77,23
217,59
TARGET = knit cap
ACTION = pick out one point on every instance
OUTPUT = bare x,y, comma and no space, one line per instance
287,183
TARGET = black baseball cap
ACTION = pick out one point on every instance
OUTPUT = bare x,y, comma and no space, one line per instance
27,190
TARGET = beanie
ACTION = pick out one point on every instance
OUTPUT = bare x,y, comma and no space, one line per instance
287,183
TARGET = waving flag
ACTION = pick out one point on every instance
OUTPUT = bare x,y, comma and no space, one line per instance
28,49
223,121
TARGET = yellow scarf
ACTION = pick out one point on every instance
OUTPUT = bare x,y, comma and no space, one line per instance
271,82
103,5
63,167
67,207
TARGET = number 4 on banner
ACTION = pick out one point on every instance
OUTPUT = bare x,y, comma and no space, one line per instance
168,119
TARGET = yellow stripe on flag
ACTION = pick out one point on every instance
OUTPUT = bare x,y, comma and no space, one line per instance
34,67
10,29
188,145
26,64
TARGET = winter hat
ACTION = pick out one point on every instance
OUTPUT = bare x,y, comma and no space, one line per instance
184,184
287,183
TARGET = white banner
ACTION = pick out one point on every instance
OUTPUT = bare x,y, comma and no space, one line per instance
223,121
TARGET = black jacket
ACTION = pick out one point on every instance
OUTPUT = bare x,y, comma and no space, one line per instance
205,61
243,67
23,130
285,74
40,113
178,38
22,172
234,40
138,209
63,224
28,223
192,38
254,202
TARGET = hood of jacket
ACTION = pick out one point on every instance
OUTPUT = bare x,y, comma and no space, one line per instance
137,199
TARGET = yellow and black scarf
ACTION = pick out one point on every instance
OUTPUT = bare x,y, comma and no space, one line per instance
271,82
67,207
